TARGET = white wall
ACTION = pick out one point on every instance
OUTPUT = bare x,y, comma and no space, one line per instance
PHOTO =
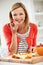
5,6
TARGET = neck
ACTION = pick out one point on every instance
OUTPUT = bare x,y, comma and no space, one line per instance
22,26
22,29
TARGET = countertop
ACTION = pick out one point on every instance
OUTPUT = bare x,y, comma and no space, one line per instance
10,63
33,60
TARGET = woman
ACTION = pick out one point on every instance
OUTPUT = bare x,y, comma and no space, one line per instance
20,34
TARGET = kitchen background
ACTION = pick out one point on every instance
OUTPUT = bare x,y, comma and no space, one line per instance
35,11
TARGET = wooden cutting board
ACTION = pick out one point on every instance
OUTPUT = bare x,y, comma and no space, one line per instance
33,60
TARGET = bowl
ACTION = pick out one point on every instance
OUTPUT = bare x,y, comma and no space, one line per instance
39,50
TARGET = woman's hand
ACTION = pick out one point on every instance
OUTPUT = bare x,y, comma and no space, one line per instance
14,26
31,50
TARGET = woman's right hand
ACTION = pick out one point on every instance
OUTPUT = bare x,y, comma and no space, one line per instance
14,26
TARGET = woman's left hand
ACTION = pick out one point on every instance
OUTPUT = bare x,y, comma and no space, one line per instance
31,50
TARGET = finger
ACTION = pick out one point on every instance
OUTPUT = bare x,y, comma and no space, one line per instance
16,23
12,25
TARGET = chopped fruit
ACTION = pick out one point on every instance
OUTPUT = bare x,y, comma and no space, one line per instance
29,55
15,56
24,55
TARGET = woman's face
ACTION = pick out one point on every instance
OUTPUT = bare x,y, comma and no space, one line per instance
18,15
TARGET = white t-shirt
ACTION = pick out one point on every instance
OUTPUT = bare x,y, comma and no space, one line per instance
23,46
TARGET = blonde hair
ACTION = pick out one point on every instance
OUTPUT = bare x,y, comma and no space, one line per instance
17,5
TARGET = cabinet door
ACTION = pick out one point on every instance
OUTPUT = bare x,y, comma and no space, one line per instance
0,40
38,9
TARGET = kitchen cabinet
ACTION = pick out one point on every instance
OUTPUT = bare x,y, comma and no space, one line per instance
38,9
38,14
0,39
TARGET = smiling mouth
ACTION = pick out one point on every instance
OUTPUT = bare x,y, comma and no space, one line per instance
19,21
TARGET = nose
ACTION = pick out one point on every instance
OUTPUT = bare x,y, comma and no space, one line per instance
18,18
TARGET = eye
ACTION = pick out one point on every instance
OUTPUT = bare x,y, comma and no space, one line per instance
21,13
15,15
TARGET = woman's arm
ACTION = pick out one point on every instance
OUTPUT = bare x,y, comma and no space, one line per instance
34,40
14,28
11,39
35,31
13,46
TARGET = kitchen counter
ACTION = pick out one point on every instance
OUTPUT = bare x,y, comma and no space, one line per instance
9,63
33,60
